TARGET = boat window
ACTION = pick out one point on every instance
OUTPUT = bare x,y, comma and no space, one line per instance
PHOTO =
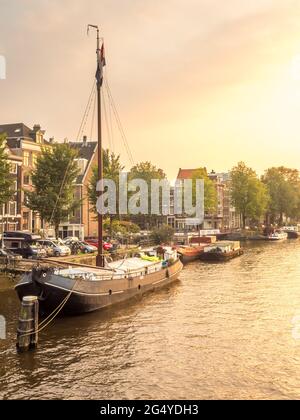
15,245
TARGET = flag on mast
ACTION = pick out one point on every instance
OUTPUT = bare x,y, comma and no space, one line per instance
101,64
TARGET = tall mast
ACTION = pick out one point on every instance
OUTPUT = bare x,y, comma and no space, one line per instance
100,256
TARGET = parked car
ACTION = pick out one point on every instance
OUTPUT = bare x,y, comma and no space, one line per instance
27,249
81,246
49,249
57,249
70,238
107,246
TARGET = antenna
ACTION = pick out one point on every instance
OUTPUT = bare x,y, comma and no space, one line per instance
98,40
92,26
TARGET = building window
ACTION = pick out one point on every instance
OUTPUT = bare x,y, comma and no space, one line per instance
26,158
13,168
34,159
26,180
14,190
12,208
25,220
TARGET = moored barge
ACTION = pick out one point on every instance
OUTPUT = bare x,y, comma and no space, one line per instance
222,251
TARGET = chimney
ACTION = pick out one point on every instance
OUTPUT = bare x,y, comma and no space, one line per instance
36,127
51,140
84,140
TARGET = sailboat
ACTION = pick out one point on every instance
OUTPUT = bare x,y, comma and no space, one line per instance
77,289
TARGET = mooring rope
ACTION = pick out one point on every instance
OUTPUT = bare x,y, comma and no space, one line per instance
53,314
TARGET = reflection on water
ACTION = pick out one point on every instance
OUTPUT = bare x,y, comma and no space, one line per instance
223,331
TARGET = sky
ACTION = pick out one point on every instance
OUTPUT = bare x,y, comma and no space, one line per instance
196,82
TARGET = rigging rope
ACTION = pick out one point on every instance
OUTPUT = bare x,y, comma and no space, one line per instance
106,121
93,117
111,128
80,131
118,120
86,111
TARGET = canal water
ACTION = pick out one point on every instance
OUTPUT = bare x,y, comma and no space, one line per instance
224,331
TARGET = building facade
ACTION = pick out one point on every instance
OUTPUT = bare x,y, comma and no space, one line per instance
224,218
83,222
10,213
24,145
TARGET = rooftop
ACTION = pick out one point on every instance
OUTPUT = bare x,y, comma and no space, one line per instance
15,130
86,150
18,131
186,173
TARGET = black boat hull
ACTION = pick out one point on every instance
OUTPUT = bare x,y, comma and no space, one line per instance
83,296
220,256
292,234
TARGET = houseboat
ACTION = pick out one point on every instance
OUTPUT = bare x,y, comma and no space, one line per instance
222,251
292,231
82,289
195,247
190,253
277,235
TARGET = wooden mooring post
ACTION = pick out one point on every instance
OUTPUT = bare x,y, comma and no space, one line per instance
27,333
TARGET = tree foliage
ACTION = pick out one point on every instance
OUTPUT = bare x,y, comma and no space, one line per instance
53,181
111,170
163,234
210,191
117,227
283,185
147,171
249,195
6,181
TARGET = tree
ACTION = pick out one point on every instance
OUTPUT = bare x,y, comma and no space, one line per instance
248,194
210,192
147,171
120,227
283,185
53,182
6,181
111,170
163,234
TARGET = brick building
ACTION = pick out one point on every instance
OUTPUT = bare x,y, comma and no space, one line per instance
10,213
225,216
24,145
83,222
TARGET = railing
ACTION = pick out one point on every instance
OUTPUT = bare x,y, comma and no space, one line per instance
16,265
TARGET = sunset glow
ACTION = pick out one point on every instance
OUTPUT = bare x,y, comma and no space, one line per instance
211,83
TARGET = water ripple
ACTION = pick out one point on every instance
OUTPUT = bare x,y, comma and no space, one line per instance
224,331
